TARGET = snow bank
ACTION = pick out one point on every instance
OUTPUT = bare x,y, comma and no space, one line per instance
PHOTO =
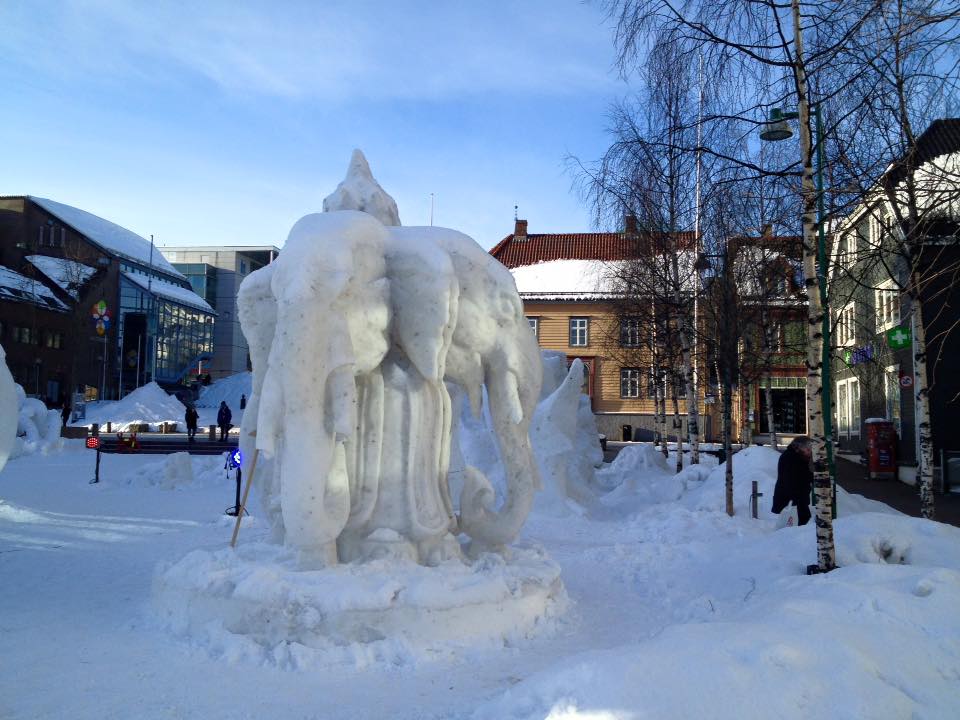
147,405
181,470
229,389
863,642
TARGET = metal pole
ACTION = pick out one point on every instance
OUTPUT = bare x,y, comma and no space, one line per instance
826,405
103,377
136,382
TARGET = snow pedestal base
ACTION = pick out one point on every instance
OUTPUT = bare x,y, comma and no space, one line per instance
254,603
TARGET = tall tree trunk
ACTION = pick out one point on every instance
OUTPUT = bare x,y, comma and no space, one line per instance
677,426
693,410
747,434
822,487
770,426
925,464
727,440
664,435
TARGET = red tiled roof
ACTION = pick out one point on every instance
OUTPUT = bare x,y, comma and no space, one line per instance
534,248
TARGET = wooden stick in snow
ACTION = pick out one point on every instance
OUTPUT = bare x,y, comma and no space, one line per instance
243,501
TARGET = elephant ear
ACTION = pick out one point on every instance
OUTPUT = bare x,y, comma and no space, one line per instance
424,294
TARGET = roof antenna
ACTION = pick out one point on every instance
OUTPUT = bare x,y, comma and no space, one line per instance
431,209
514,213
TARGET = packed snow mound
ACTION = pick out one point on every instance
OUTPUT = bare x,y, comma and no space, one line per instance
256,604
38,429
637,459
360,191
147,405
182,470
9,410
229,389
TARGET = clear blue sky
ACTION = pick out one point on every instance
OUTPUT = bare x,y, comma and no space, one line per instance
224,122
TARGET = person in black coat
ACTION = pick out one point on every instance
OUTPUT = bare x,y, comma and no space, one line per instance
223,419
65,412
243,402
795,479
191,417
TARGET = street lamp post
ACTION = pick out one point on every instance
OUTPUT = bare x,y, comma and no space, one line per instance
776,129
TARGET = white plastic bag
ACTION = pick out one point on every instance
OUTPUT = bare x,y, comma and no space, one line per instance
787,517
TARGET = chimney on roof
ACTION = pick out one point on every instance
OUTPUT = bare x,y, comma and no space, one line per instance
520,230
630,224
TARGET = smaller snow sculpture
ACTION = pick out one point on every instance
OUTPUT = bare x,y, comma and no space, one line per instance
555,437
9,410
38,429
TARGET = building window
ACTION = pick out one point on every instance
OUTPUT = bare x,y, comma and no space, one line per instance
243,267
845,327
887,298
579,331
54,340
630,382
24,335
41,237
534,323
848,407
630,332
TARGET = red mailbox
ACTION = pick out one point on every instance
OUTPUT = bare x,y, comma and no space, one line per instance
881,449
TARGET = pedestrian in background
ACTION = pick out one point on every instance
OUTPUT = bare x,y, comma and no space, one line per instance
224,416
243,402
795,479
191,416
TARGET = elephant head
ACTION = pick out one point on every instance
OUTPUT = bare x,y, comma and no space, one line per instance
491,346
315,318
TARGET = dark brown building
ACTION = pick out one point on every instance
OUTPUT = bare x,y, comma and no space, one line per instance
59,266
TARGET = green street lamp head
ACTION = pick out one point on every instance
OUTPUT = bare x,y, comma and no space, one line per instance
777,127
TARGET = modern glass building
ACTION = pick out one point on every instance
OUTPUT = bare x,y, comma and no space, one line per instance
215,274
166,330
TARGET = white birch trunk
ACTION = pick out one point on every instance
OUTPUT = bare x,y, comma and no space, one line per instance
822,487
678,426
770,425
922,398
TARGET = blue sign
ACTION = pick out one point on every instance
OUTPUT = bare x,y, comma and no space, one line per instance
236,459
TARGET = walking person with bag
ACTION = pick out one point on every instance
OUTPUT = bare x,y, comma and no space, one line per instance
795,479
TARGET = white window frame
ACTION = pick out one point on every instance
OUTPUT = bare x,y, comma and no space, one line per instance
579,331
845,328
630,380
534,322
884,298
630,332
848,408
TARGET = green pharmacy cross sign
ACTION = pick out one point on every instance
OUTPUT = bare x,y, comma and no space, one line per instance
898,338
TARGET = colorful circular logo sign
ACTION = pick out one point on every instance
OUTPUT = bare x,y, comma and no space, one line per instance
101,317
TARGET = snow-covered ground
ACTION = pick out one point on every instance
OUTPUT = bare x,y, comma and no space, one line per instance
677,611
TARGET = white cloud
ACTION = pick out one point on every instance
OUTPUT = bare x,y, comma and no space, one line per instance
338,51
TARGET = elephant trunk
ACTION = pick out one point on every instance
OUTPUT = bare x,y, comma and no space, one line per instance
511,407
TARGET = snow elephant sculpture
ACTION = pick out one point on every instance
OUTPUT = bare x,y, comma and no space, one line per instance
357,332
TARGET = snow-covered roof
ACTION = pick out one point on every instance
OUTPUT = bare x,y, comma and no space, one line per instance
110,236
595,279
169,291
20,288
563,280
68,275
